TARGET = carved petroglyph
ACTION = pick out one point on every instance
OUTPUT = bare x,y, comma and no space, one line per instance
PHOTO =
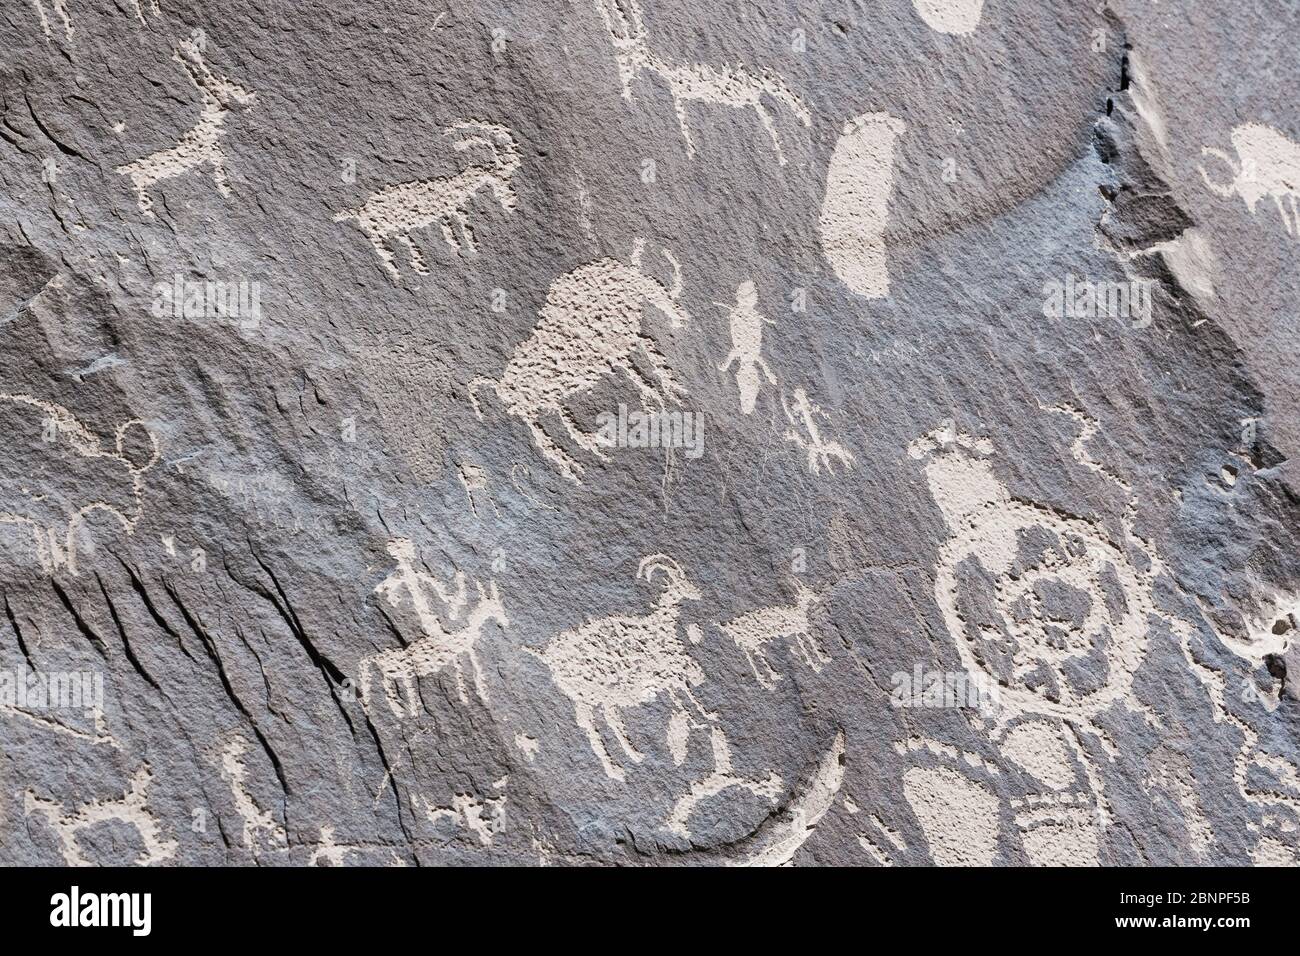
439,648
752,632
614,663
396,211
54,465
747,346
778,844
1267,167
590,328
722,778
1075,596
959,17
260,831
202,144
131,809
958,815
855,212
61,10
804,414
730,86
484,817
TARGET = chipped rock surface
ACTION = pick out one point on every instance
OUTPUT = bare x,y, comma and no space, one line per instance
655,433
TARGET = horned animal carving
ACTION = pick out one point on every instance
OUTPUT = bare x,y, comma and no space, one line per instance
1267,166
396,211
439,648
590,327
732,86
202,144
613,663
752,633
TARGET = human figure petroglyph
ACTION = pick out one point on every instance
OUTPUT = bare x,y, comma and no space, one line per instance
590,328
202,143
729,86
803,413
397,211
747,346
855,210
1267,166
439,649
614,663
54,465
131,809
752,632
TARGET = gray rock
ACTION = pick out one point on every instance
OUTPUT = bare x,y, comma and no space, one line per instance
331,332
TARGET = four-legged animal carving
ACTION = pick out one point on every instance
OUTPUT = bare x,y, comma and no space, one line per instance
202,144
732,86
590,328
752,632
622,661
396,211
438,649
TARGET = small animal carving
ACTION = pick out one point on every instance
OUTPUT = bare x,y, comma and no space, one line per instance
1267,166
396,211
803,412
613,663
202,144
57,473
732,86
752,633
591,326
439,648
747,346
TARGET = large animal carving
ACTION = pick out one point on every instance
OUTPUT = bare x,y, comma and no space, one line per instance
397,211
615,663
201,145
731,86
591,327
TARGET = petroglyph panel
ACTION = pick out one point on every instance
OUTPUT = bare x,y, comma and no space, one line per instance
888,561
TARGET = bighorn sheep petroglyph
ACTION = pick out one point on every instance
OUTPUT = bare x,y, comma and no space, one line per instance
622,661
396,211
439,648
752,632
590,327
732,86
202,144
1267,165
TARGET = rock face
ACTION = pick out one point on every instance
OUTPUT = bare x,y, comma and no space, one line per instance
522,433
